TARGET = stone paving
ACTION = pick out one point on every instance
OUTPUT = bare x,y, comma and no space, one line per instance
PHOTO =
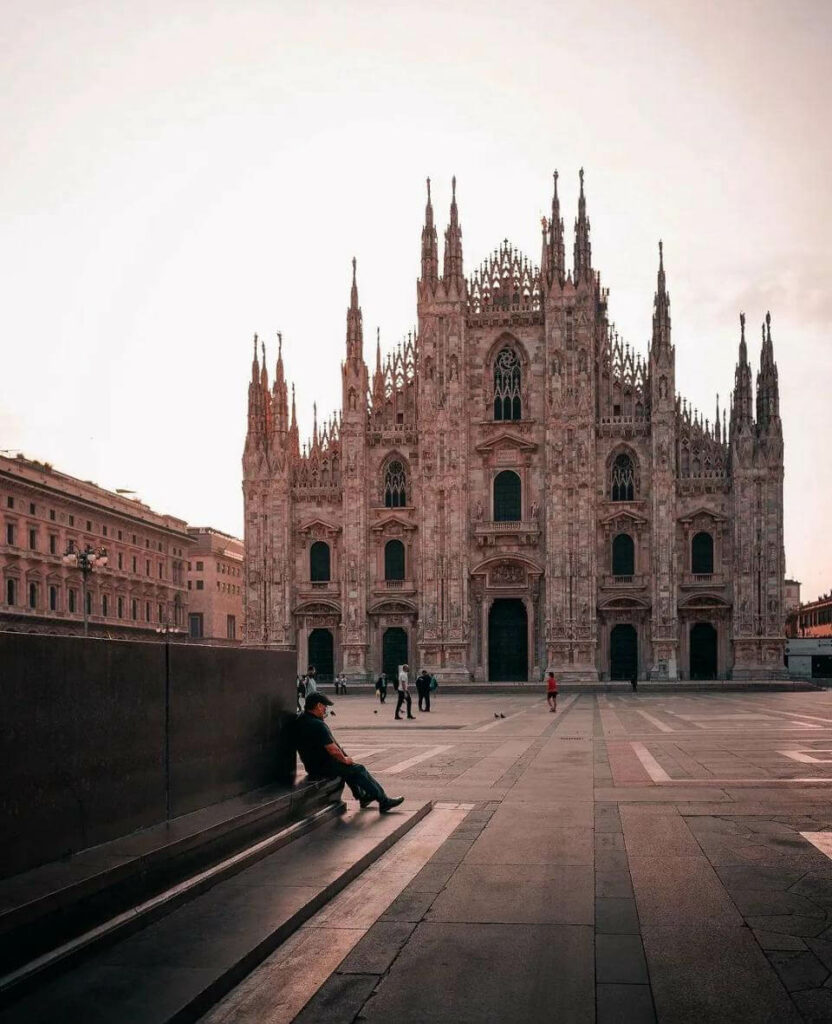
632,858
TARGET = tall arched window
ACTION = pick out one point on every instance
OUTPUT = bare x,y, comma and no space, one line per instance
507,404
702,553
622,484
623,555
394,560
507,500
395,485
319,571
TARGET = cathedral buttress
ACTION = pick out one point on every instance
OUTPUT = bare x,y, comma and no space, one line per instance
354,564
663,622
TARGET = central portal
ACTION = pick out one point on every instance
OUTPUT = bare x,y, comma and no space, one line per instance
508,641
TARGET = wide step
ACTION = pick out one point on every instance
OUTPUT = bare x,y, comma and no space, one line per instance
179,966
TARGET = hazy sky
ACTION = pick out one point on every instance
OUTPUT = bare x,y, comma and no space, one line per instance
177,175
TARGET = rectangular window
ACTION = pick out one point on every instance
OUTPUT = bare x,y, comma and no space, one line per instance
134,563
72,520
53,544
104,604
119,534
53,599
146,542
189,584
120,607
231,627
33,595
120,560
32,508
147,611
89,526
161,613
11,592
199,566
134,609
33,540
189,566
104,530
89,603
147,567
71,600
161,570
10,502
200,584
10,534
195,626
52,514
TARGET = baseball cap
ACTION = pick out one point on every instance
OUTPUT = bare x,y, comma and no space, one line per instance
316,698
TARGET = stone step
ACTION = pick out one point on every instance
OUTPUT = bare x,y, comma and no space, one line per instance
178,966
49,906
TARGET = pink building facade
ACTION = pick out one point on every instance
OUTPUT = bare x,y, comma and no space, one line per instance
516,489
215,587
44,514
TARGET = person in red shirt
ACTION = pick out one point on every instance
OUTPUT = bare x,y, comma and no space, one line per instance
552,691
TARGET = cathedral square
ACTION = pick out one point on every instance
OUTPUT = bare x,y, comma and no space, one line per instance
515,489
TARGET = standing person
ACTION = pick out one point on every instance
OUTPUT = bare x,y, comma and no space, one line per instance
381,688
552,691
423,690
301,692
404,693
311,685
323,758
634,682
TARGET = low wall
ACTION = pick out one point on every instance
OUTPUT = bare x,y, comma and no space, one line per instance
102,737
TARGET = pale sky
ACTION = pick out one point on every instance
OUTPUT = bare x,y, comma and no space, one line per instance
177,175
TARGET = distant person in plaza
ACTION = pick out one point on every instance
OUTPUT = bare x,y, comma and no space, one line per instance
404,693
341,683
552,691
309,680
301,692
324,758
381,688
634,683
423,690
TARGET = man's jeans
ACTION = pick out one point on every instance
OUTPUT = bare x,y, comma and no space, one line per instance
360,782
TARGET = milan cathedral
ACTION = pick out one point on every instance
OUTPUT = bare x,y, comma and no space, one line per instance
515,489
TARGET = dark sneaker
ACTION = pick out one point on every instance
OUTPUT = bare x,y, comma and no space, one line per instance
390,803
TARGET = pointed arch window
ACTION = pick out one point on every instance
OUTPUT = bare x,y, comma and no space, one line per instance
507,380
395,485
319,567
622,484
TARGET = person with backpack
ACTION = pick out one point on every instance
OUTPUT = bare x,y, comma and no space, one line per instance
381,688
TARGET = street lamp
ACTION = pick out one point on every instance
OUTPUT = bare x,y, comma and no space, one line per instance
166,630
87,560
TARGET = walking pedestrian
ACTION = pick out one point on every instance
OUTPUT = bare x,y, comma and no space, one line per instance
324,758
381,688
552,691
404,693
423,690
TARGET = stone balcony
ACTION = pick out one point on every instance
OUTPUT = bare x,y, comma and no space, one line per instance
632,582
703,579
394,587
518,531
330,588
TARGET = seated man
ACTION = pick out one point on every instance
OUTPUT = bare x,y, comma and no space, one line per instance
323,758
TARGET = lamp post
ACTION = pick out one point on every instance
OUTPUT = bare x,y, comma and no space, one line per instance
167,631
87,560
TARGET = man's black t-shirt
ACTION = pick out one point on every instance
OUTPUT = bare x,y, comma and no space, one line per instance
312,735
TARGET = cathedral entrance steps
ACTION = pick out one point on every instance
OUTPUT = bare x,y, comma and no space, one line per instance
59,911
178,966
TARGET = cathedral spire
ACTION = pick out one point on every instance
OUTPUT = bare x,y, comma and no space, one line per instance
583,249
742,416
768,387
661,309
557,255
355,334
280,391
430,248
294,433
452,270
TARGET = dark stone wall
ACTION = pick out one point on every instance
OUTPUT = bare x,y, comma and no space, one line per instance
85,753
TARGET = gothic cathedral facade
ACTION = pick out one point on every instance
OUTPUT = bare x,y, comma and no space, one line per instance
515,489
